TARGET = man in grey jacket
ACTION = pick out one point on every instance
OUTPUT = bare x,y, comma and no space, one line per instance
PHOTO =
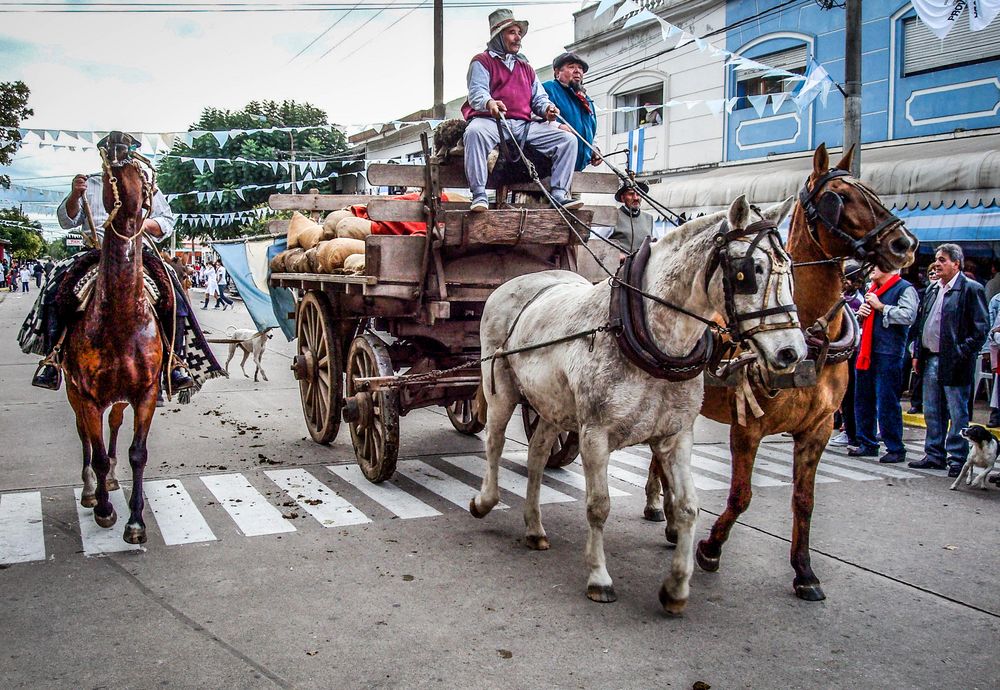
633,225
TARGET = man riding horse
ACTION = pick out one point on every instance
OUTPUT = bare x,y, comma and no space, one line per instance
58,302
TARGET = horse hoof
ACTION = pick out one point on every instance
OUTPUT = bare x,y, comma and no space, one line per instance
476,512
671,606
134,534
88,501
112,484
537,542
811,592
108,521
671,535
603,594
653,514
710,564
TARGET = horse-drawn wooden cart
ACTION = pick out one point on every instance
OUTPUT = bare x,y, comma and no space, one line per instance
417,305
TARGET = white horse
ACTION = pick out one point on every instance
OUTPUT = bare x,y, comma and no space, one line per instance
588,385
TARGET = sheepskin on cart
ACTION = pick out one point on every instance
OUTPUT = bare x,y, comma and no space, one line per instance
426,293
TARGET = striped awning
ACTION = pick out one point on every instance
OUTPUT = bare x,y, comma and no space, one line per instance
954,223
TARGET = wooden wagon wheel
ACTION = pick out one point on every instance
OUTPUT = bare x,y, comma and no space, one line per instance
319,367
372,417
566,447
463,417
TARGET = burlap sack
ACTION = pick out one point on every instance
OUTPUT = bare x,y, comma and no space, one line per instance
279,264
298,263
330,255
330,224
303,232
312,262
354,227
355,263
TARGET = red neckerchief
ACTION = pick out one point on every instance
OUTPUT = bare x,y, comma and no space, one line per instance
868,327
582,97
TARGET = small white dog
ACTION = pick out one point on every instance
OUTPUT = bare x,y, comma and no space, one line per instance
252,343
983,451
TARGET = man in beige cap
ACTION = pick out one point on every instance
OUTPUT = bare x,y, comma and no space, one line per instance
502,82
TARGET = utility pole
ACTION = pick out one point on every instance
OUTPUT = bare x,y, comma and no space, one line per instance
439,59
292,168
852,83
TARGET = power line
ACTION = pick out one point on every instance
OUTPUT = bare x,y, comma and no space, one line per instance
195,8
329,28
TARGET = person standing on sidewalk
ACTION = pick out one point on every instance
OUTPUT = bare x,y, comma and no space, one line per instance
948,335
25,276
211,287
889,309
39,274
220,276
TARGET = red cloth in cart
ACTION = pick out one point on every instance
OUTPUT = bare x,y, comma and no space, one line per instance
383,227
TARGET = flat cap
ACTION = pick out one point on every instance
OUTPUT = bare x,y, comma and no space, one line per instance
567,58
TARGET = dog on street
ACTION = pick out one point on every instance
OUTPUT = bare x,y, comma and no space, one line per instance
983,451
251,342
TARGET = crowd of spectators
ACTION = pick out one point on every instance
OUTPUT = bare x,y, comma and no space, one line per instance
17,276
941,329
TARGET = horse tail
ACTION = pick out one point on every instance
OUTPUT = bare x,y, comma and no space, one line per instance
479,405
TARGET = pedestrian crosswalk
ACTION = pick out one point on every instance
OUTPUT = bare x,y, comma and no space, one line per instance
281,501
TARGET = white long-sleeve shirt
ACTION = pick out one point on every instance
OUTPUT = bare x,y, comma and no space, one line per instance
162,214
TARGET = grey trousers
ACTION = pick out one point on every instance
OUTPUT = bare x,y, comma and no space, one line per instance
481,137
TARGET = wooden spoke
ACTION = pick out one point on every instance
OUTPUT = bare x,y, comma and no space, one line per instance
376,431
463,417
566,447
321,388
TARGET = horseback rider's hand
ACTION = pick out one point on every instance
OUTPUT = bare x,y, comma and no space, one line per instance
494,108
79,186
551,113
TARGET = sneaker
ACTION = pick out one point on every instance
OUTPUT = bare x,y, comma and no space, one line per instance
479,203
840,439
863,452
567,203
915,409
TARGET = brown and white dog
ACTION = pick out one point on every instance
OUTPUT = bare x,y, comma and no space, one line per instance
983,451
252,343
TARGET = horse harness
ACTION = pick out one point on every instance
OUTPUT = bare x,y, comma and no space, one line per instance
117,150
628,312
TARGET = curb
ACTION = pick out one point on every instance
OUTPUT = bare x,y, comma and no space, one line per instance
917,420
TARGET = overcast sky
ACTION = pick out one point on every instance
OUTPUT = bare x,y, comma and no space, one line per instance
156,72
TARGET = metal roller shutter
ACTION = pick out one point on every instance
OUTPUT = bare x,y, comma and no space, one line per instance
923,51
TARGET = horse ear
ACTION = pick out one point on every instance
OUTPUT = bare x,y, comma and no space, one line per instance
821,161
845,162
739,212
778,212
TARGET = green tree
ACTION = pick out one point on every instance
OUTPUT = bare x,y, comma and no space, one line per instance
177,177
57,249
13,109
25,235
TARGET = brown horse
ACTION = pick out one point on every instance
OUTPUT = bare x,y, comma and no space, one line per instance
852,223
113,354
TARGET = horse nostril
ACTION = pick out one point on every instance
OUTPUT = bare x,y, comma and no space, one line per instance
787,356
900,245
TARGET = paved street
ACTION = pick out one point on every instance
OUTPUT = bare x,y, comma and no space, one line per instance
271,561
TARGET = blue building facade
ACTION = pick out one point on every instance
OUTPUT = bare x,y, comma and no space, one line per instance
913,84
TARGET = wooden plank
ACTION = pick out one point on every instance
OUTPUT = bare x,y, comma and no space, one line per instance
384,175
326,278
316,202
405,210
510,227
277,227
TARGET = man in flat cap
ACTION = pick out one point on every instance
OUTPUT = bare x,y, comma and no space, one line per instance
502,82
634,225
575,106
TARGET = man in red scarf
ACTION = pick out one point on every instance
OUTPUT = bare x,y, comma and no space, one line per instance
889,309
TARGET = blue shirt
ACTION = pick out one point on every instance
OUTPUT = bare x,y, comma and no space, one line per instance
574,113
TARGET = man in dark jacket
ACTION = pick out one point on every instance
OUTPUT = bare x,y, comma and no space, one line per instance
949,333
575,106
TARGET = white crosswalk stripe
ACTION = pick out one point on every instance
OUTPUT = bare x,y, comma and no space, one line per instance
317,498
387,494
98,540
21,536
246,506
701,482
176,515
567,476
444,485
181,520
508,480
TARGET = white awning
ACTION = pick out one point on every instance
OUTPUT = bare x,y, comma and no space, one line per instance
963,170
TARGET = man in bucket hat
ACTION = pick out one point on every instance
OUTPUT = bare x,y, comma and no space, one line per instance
634,225
502,82
575,106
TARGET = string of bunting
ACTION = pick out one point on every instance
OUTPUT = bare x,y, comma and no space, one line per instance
217,194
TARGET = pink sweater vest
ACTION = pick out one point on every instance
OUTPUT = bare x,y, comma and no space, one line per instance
513,88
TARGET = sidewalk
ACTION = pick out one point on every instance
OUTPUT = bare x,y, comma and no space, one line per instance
980,415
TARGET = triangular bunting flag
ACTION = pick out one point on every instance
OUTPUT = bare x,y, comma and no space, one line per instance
604,7
210,164
759,103
627,8
715,106
221,137
667,29
643,15
777,100
731,103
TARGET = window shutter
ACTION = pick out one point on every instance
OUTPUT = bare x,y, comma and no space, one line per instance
923,51
786,59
